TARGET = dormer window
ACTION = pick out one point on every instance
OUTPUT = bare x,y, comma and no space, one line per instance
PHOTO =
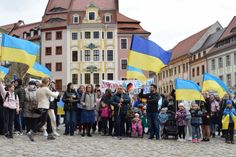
25,35
75,18
107,18
233,30
91,15
31,33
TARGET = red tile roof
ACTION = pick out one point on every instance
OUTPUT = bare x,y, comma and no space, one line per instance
58,4
46,24
8,27
228,29
127,25
122,18
81,5
25,28
183,47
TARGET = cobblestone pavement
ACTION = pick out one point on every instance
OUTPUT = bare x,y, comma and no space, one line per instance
100,146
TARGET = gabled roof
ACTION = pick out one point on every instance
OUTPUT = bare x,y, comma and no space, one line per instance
183,47
212,39
228,29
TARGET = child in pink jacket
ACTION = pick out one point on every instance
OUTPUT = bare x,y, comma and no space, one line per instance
137,128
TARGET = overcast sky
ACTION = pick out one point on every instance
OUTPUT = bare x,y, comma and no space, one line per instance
169,21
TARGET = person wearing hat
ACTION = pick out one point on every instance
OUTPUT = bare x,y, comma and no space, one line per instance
180,119
229,122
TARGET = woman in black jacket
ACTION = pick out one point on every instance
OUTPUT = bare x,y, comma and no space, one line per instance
70,98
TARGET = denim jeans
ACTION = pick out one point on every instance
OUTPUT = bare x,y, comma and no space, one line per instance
70,121
196,132
153,124
19,121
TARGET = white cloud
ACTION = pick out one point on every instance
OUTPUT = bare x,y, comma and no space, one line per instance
169,21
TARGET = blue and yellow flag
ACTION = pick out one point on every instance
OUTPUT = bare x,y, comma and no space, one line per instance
211,82
39,71
3,72
135,73
187,90
147,55
18,50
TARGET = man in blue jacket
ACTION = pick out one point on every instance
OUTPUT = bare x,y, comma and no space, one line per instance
120,100
152,99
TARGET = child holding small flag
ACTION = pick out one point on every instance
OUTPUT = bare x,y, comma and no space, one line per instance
228,122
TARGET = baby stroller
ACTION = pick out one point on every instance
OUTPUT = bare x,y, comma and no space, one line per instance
170,127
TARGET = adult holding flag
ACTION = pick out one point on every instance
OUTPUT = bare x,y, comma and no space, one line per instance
147,55
152,99
211,82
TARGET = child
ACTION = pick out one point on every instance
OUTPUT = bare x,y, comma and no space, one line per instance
228,122
163,117
196,121
180,119
137,128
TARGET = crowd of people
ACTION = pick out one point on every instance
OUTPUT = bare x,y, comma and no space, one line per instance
88,110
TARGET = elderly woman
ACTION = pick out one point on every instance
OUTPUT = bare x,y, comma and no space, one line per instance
31,105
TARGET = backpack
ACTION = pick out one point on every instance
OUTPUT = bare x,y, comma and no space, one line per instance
163,117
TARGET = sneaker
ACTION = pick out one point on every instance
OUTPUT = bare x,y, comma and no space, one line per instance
179,139
198,140
50,137
45,133
56,134
29,134
89,135
190,139
150,137
83,135
232,142
194,140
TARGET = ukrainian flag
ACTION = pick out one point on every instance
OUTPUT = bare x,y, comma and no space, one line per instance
135,73
147,55
39,71
18,50
211,82
3,72
187,90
